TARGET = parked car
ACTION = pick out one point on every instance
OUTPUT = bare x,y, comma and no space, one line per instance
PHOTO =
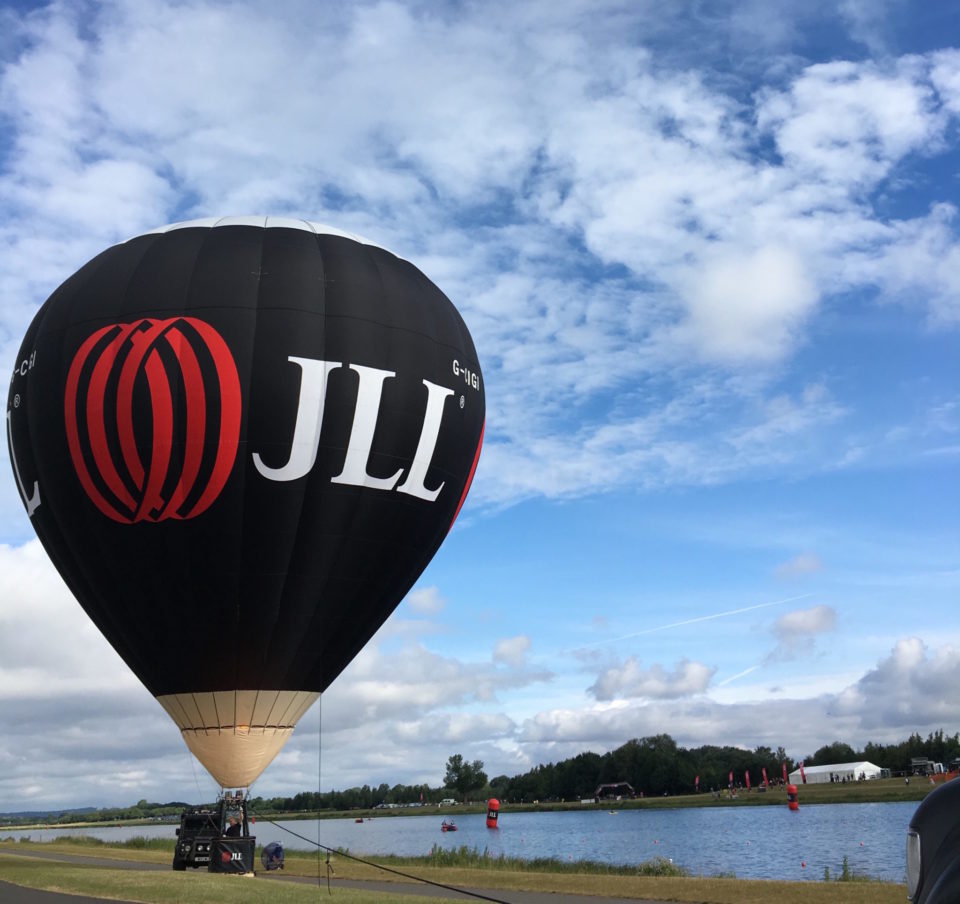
199,827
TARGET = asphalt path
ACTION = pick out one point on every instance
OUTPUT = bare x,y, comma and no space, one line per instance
16,894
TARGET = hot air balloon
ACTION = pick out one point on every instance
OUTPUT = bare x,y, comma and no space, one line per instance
240,442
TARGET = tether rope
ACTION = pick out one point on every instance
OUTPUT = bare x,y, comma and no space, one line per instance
319,790
387,869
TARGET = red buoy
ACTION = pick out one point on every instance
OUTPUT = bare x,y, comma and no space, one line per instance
493,811
793,799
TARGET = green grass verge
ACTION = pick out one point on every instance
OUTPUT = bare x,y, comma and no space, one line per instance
174,888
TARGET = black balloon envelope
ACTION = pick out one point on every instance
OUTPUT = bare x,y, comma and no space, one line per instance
241,441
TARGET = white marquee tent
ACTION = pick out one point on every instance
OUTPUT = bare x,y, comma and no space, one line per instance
818,775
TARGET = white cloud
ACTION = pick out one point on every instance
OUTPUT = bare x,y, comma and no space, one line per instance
867,20
48,645
906,689
797,631
899,696
512,650
806,622
414,680
916,264
426,601
945,76
630,680
746,307
849,123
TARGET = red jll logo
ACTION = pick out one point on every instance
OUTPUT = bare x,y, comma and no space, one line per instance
182,374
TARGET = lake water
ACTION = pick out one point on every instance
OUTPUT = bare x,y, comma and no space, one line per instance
752,842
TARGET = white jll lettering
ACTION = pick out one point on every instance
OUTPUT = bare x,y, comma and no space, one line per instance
361,435
306,432
414,484
306,435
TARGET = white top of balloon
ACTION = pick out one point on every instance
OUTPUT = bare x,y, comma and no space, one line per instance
269,223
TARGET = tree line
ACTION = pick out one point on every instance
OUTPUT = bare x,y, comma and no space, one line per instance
652,765
657,765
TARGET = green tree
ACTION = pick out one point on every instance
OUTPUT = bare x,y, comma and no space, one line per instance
464,777
831,754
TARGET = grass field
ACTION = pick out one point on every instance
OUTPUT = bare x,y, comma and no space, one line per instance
462,869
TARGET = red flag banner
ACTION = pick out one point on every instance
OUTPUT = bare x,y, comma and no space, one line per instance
763,770
696,782
730,779
803,774
785,779
746,775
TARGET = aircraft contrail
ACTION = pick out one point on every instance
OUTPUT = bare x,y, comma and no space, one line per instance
699,618
732,678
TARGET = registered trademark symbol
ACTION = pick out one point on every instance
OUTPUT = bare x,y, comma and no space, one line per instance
462,401
16,401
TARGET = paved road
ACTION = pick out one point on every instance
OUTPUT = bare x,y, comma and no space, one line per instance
15,894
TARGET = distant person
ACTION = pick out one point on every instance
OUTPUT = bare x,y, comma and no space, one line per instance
233,828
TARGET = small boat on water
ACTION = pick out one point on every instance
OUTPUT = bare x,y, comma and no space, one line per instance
359,819
448,826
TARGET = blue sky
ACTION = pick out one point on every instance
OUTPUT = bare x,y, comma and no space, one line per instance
709,256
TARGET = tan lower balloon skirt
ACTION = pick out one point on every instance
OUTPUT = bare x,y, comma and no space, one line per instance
236,734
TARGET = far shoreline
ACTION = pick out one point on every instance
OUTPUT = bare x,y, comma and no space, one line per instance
874,791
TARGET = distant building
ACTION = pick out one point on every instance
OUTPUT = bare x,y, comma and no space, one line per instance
838,772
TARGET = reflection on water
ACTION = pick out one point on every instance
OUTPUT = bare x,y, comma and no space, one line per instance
752,842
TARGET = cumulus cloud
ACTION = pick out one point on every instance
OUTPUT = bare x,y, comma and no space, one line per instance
902,694
382,685
796,631
630,680
906,688
849,123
